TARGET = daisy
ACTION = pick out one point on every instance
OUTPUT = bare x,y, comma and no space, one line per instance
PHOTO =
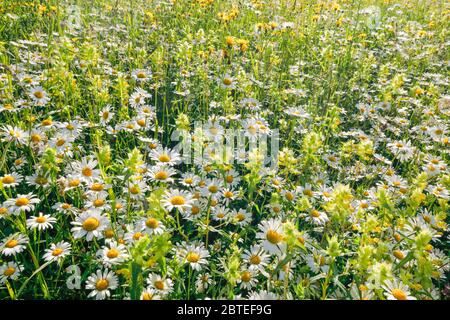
306,190
14,134
152,226
212,187
196,210
112,254
271,235
162,285
98,201
101,283
4,212
136,189
86,170
250,104
39,96
161,173
220,213
41,222
439,191
11,180
317,217
232,177
401,150
106,115
189,179
9,271
138,97
38,179
165,156
262,295
141,75
57,251
89,224
150,294
396,290
71,128
256,257
23,202
241,217
193,254
248,279
98,187
13,244
227,82
64,207
62,143
134,233
177,199
203,282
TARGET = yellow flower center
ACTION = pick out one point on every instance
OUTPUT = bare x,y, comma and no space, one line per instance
315,213
161,175
60,142
101,284
9,271
98,202
147,296
246,276
36,138
193,257
228,194
152,223
141,75
22,202
188,181
274,237
91,224
39,94
47,122
255,259
97,187
227,81
74,183
109,233
41,180
177,200
164,158
135,189
112,253
3,211
87,172
137,236
57,251
141,122
8,179
213,189
398,254
240,217
229,179
214,130
399,294
11,243
159,284
65,206
41,219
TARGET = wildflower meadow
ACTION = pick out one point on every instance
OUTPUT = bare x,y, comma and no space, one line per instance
211,149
